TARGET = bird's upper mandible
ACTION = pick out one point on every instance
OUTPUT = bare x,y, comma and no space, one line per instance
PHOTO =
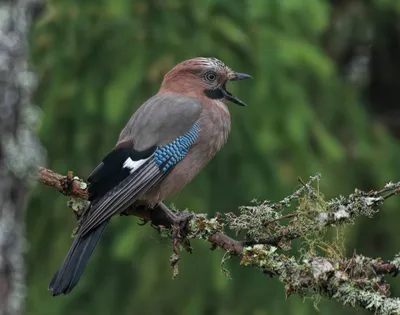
202,77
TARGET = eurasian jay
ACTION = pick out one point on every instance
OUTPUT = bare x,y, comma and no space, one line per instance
166,142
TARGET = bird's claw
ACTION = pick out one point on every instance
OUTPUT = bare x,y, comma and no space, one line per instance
180,223
180,230
177,221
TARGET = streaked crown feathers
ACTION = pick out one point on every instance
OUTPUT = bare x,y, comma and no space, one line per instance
210,63
199,66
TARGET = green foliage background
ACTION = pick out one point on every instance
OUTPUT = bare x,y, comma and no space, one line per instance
99,60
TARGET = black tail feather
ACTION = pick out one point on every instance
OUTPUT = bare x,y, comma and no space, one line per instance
78,256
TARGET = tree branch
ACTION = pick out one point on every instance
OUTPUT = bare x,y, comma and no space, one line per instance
66,185
357,281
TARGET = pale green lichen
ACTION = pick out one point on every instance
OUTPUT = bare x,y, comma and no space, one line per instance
318,276
352,296
311,219
224,270
199,226
78,204
174,258
396,261
202,227
260,256
253,219
80,207
82,184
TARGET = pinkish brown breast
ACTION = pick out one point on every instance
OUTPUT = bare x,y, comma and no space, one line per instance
215,125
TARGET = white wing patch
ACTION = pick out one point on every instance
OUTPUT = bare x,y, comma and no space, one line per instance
133,165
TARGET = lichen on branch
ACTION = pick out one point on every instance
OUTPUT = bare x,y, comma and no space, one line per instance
318,269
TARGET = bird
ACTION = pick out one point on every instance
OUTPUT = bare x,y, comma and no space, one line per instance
163,146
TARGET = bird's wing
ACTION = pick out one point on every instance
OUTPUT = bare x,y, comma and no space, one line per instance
157,137
161,120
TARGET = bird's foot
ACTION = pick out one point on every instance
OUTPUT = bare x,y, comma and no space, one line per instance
175,224
180,225
179,222
180,231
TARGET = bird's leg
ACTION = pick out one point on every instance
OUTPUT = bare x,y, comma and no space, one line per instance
159,215
179,222
174,216
162,217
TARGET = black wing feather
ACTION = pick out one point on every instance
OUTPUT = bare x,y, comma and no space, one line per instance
110,172
109,180
123,195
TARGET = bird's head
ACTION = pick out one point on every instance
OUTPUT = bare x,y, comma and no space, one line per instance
203,77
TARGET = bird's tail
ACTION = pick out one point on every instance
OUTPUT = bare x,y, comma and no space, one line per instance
78,256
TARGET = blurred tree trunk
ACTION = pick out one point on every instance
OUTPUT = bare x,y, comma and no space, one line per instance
20,151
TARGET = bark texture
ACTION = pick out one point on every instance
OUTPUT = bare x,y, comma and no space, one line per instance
20,150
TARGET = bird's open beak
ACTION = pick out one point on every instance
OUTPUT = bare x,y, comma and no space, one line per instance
235,76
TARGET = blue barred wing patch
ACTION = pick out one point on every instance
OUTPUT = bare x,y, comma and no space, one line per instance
170,154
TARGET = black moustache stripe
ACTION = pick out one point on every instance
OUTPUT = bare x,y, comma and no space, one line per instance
216,94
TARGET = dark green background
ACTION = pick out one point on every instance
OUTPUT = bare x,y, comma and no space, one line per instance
310,109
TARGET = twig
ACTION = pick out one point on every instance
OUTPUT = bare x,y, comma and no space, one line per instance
287,216
286,201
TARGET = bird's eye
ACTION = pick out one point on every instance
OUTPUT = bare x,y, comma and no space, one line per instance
210,76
